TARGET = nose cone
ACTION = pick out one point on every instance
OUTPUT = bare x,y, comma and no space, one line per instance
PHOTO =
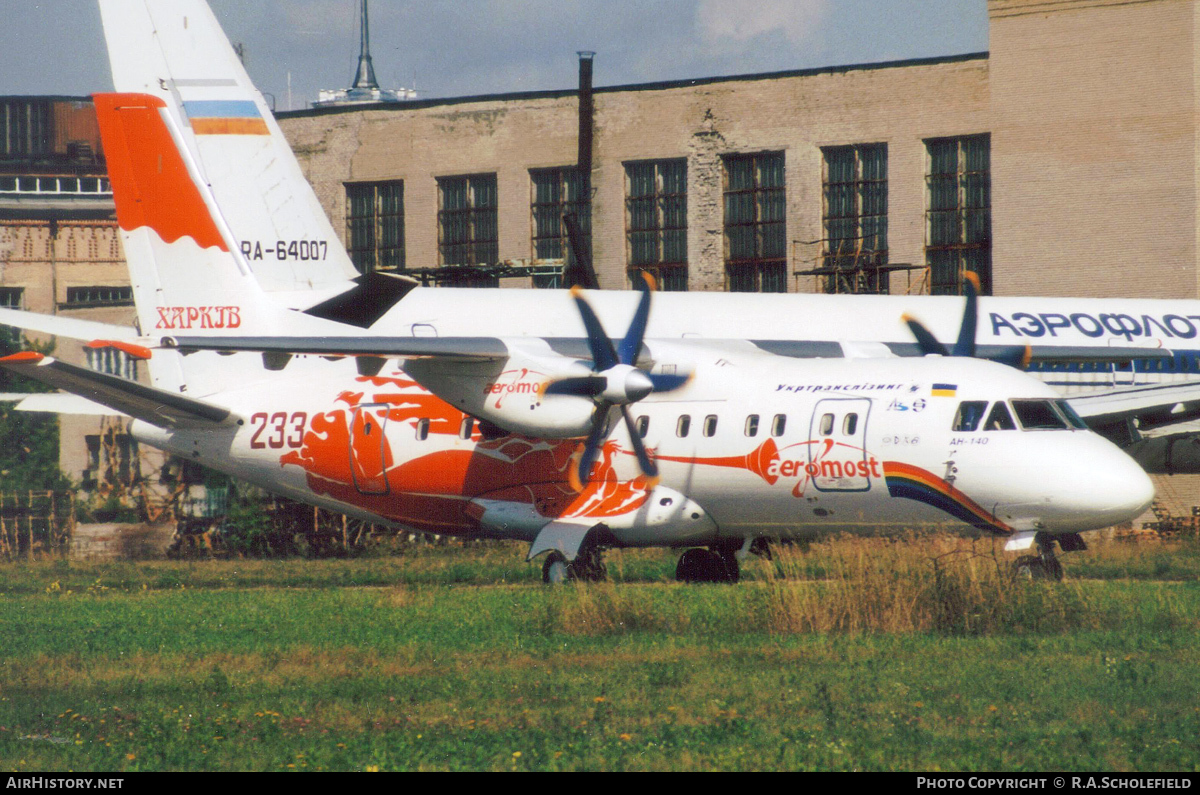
1083,482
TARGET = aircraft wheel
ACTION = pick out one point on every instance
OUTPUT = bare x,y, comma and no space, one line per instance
589,566
556,570
1034,567
703,565
726,567
693,566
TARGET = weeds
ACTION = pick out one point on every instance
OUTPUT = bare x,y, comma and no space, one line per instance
855,654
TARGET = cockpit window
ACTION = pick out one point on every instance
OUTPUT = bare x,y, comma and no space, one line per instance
1038,415
1073,419
999,419
970,414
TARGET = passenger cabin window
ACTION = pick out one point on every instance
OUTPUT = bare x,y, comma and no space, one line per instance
850,424
643,426
423,430
1038,415
778,425
1000,419
683,426
826,424
710,425
752,425
970,413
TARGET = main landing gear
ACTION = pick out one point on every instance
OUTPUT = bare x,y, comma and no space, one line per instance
708,565
1045,565
588,566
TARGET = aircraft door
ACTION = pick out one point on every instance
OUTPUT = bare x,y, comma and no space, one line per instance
368,448
837,451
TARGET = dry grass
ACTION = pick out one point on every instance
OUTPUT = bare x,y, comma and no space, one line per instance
940,585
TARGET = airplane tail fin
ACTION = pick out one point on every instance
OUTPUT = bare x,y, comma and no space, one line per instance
188,275
175,53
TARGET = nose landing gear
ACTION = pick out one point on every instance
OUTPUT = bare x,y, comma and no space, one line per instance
1045,565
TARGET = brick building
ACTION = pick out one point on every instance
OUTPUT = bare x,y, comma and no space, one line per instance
1061,162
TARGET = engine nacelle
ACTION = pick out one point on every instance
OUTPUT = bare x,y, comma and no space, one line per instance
509,393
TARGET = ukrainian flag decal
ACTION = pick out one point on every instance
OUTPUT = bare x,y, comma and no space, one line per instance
225,117
945,390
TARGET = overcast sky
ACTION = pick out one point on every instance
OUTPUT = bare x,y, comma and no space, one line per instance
464,47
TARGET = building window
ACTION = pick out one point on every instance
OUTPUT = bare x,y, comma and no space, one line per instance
468,233
855,219
755,223
958,218
112,362
99,296
11,298
375,225
555,193
656,221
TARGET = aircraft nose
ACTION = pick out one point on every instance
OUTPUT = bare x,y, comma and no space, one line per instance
1080,483
1106,487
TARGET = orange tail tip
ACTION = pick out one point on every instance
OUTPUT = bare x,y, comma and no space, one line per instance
128,348
973,278
31,357
150,181
651,282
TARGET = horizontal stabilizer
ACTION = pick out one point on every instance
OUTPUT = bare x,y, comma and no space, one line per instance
477,348
70,327
155,406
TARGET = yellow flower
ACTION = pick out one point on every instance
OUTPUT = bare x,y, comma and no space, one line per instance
599,699
626,737
516,754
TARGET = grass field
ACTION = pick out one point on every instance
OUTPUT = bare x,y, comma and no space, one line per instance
855,654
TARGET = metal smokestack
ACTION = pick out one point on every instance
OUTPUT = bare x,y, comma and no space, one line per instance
365,77
586,107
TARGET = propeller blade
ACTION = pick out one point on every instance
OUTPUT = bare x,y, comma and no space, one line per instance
631,346
667,383
649,468
925,339
581,475
965,345
580,272
604,355
581,386
1016,356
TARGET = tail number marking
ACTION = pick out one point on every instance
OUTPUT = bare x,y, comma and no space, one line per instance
285,430
283,250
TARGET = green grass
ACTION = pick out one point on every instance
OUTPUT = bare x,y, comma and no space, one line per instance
452,658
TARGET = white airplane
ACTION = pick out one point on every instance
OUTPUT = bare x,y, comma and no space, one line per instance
512,414
1130,367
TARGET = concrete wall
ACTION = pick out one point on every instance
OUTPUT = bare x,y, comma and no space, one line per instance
1094,147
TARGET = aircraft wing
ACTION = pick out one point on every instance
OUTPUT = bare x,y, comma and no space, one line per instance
1148,406
155,406
56,403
